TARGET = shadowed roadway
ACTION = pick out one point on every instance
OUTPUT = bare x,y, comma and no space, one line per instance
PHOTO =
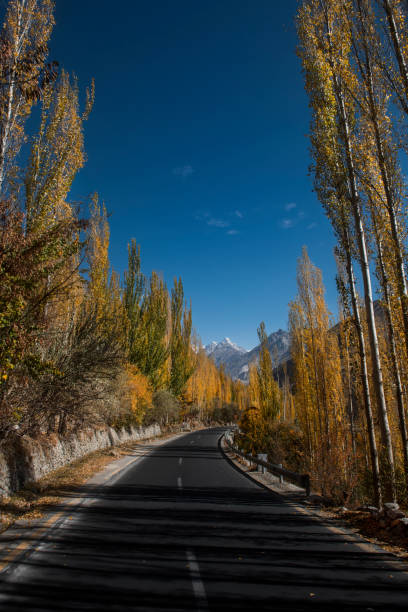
182,529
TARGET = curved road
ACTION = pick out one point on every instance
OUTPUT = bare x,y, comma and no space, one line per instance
182,529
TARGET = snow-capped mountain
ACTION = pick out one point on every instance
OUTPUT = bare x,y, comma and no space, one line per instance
209,348
237,360
222,352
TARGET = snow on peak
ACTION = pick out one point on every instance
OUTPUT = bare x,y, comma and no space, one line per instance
223,349
209,348
227,342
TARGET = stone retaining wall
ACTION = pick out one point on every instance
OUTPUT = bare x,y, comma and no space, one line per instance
26,459
391,518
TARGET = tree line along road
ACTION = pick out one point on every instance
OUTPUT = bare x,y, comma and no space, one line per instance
182,529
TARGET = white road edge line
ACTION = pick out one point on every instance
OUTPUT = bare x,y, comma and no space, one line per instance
198,586
179,483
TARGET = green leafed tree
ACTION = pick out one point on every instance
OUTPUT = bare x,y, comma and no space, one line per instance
182,359
150,351
269,396
135,283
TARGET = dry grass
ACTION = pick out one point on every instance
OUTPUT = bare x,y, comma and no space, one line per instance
38,497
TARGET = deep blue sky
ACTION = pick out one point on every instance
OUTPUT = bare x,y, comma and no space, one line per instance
197,144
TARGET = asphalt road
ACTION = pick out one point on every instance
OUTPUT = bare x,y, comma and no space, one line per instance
182,529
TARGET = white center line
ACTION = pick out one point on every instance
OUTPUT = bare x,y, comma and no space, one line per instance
198,586
179,483
180,460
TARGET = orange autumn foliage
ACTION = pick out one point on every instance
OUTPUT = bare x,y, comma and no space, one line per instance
138,393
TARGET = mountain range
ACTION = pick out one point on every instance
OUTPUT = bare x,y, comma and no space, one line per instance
236,360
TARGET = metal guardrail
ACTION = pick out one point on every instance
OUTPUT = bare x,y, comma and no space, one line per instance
301,480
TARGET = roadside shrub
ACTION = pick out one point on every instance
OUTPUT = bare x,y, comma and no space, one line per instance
191,411
225,413
283,442
230,413
165,409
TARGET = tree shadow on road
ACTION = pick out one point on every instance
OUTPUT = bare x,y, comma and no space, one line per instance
127,551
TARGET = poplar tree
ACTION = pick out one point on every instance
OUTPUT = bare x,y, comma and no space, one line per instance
325,50
269,396
57,154
134,287
395,64
182,361
319,398
149,351
23,74
384,175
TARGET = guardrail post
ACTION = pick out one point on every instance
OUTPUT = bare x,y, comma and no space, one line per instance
280,475
262,457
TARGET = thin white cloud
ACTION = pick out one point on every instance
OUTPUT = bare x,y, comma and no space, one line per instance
212,221
238,214
295,219
311,226
184,171
290,206
204,216
286,223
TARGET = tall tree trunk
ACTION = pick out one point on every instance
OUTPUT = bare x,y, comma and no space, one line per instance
345,359
396,43
375,466
7,120
368,298
393,353
385,179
